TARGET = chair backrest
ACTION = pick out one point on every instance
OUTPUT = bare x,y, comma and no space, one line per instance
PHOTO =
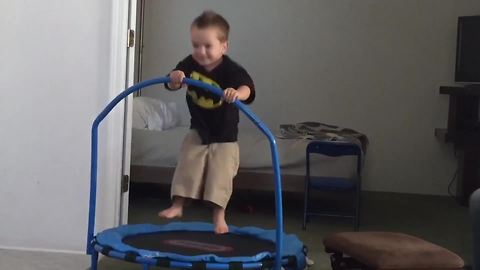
335,149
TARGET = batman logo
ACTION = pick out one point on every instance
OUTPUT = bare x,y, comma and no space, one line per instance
202,98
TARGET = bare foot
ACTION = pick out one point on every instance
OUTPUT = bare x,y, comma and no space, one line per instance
176,210
172,212
219,222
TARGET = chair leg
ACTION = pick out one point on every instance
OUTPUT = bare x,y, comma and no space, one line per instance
357,211
305,206
357,223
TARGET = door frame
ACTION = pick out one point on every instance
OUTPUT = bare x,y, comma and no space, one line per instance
122,76
127,125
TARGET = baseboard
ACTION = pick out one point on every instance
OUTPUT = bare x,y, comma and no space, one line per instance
43,250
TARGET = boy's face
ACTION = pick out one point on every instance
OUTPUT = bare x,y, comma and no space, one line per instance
207,48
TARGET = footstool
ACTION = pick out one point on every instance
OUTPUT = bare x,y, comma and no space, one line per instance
387,250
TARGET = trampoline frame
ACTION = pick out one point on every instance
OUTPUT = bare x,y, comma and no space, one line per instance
93,248
131,257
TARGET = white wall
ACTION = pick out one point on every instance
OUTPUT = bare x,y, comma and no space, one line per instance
58,70
374,66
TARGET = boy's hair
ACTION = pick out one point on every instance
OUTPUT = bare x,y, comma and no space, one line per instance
210,18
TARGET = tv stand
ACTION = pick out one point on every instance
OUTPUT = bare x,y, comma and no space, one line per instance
463,130
473,87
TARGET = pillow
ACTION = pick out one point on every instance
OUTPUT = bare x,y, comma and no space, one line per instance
154,114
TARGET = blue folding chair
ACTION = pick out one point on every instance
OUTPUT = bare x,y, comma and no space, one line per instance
350,185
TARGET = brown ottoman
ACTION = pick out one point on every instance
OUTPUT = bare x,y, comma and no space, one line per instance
387,250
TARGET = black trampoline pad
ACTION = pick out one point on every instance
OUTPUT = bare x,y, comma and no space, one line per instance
192,243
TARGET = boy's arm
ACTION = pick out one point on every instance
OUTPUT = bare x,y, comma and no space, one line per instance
243,92
244,84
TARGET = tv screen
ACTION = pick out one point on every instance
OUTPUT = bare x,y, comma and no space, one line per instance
467,68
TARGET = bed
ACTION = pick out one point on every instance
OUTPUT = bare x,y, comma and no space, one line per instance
157,135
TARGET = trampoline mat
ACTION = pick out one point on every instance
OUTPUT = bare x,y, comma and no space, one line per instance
192,243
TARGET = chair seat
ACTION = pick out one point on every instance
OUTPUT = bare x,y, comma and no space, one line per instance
388,250
332,183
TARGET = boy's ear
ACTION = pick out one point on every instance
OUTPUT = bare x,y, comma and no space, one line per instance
225,47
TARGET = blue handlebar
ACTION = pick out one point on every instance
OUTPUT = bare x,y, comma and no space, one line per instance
242,107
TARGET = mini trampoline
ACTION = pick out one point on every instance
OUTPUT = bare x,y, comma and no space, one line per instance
194,245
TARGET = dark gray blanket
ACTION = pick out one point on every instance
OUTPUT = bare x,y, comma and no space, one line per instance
323,132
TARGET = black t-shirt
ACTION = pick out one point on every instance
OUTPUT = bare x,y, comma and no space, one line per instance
214,119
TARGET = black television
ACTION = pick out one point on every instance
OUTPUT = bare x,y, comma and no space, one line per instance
467,67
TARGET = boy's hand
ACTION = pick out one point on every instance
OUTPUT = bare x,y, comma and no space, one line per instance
242,93
230,95
176,78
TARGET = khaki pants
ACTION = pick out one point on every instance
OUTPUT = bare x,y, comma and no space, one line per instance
206,172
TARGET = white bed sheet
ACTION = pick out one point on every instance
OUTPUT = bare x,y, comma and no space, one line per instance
161,149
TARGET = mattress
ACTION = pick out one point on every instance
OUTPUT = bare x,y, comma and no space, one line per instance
157,138
151,148
161,149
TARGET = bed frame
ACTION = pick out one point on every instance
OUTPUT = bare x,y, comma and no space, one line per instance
246,180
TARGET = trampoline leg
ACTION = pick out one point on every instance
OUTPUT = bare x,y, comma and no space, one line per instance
146,267
94,259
